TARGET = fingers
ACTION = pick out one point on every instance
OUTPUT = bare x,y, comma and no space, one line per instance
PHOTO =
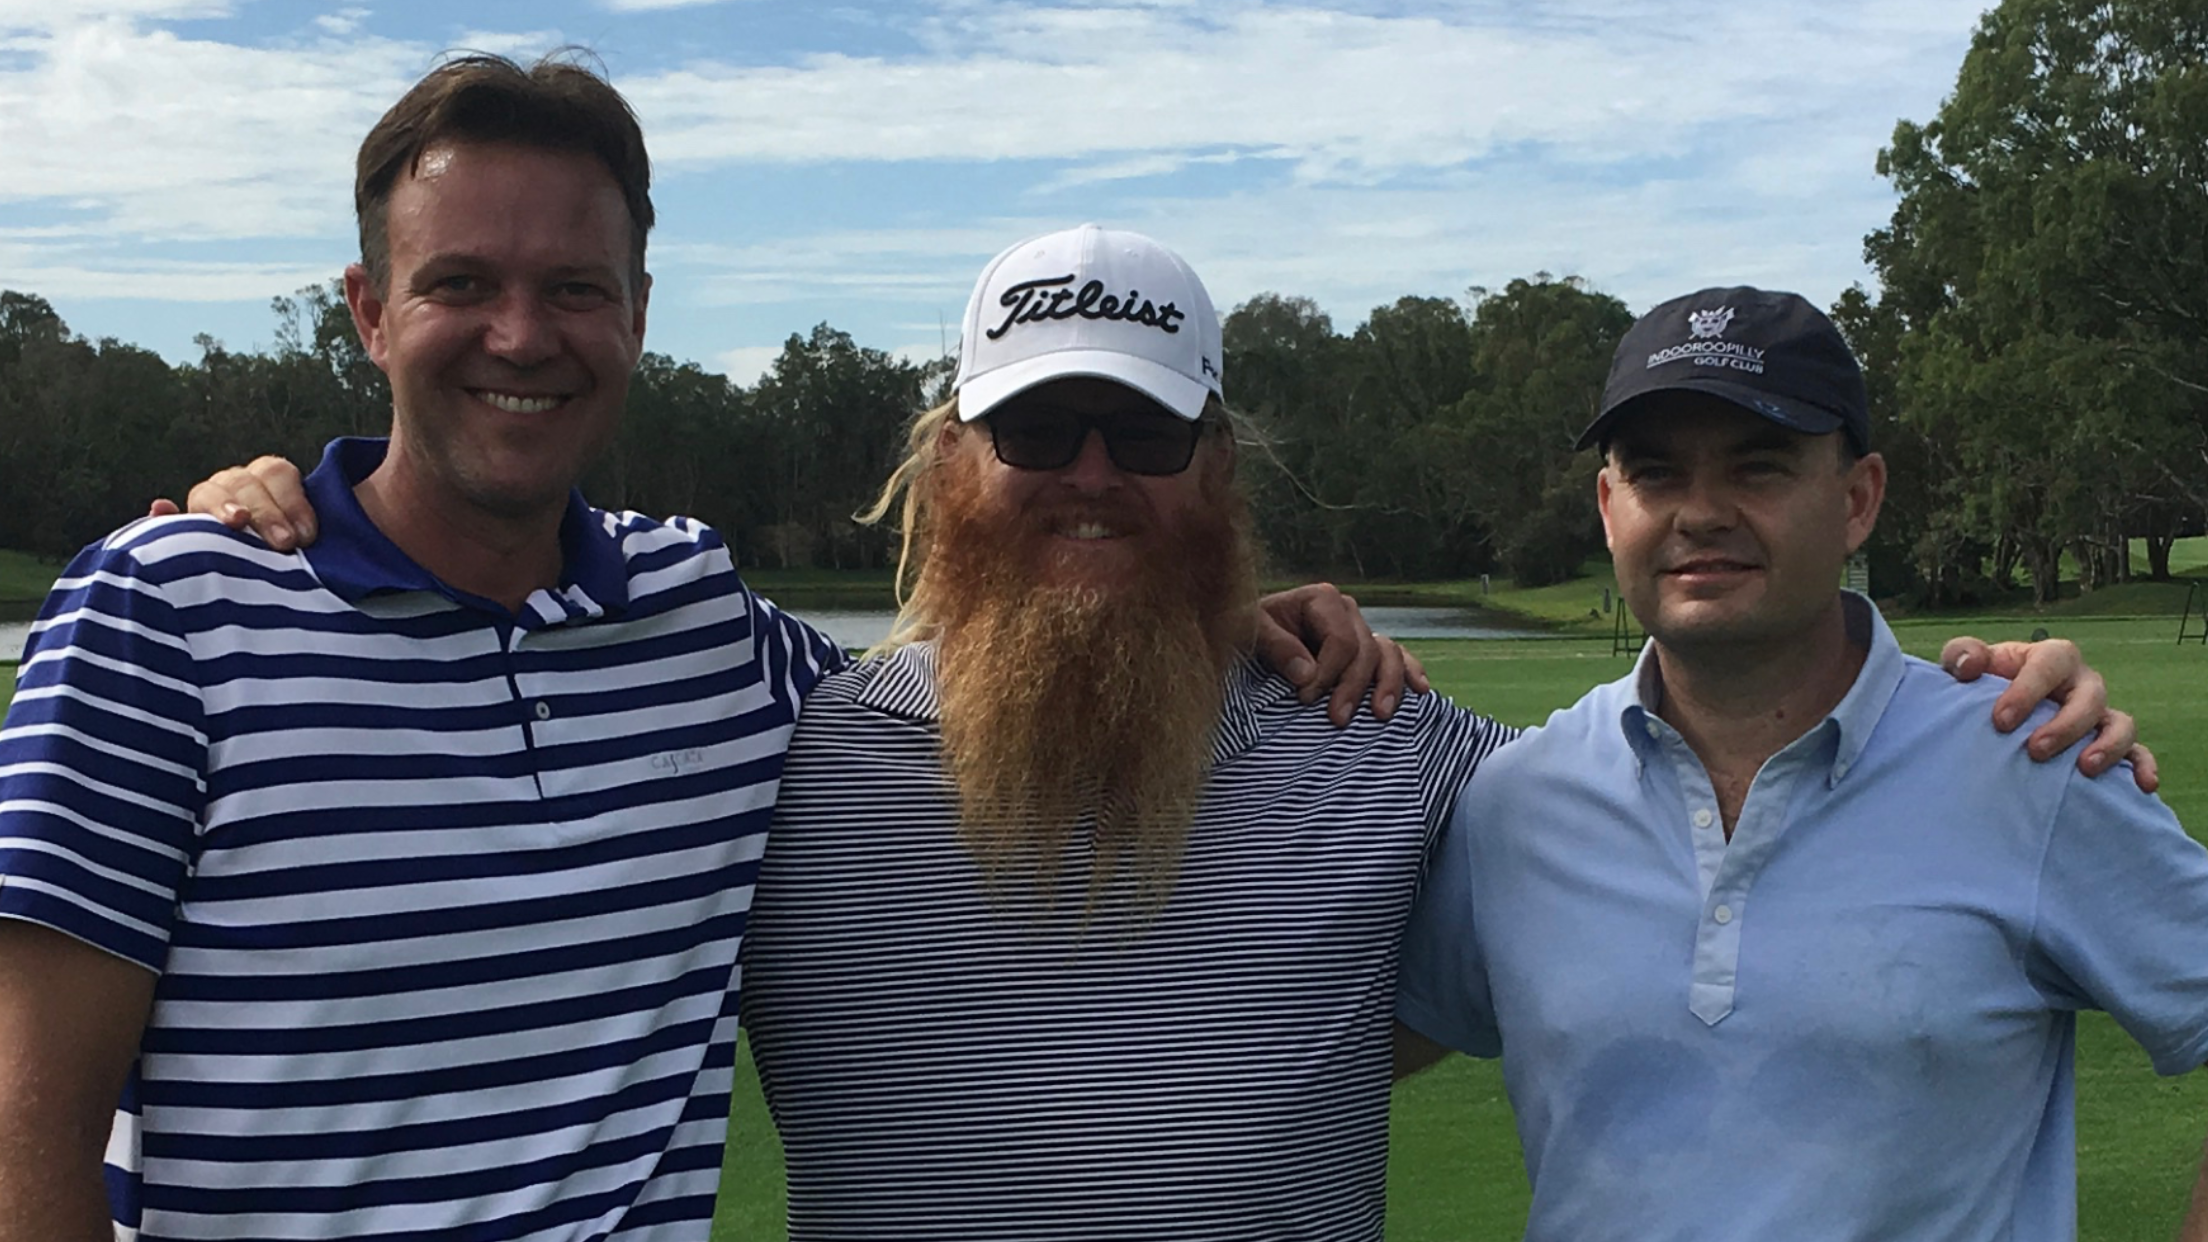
1414,673
2049,669
2055,669
289,488
1282,649
1965,658
1350,658
162,507
1345,639
266,496
2143,772
1362,673
2083,707
2118,734
1389,678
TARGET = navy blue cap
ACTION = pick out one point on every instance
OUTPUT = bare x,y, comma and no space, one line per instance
1770,353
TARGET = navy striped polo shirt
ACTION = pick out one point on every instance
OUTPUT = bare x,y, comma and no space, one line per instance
445,901
947,1063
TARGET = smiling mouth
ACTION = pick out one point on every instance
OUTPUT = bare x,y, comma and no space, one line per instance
516,403
1087,531
1695,568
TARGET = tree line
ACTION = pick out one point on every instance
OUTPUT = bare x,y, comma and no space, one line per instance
2037,352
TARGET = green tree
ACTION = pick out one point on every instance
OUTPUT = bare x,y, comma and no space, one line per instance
1285,373
2048,265
1541,349
1408,368
828,420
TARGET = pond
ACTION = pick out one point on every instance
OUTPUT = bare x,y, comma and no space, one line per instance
865,628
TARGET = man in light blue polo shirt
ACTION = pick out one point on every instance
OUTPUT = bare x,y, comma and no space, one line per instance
1775,938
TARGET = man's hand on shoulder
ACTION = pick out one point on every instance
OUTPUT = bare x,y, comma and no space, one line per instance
2054,669
267,496
1316,637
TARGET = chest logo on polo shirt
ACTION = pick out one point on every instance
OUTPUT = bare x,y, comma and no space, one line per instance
676,762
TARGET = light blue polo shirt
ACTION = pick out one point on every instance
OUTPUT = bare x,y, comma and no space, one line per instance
1854,1020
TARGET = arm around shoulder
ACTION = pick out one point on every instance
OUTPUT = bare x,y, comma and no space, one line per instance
71,1018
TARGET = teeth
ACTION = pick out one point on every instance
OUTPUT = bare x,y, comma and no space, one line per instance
515,404
1090,530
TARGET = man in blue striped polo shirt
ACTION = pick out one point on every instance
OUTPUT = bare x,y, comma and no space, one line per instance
1774,938
394,887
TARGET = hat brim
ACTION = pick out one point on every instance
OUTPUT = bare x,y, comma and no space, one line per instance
1794,415
1162,384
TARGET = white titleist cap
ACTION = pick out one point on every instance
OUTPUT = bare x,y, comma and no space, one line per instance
1089,302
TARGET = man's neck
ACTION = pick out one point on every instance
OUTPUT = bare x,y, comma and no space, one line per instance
500,558
1736,707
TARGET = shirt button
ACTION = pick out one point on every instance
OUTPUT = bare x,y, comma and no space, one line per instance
544,710
1650,725
1702,817
1723,915
1840,768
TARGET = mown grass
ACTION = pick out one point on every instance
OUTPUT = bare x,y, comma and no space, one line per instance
24,579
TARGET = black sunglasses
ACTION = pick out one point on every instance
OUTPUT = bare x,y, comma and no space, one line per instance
1033,436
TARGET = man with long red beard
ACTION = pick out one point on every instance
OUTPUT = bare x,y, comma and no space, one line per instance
1074,922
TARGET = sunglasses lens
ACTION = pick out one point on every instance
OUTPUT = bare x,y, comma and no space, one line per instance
1037,438
1151,445
1040,437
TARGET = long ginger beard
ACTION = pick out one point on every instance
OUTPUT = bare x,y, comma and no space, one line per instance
1075,714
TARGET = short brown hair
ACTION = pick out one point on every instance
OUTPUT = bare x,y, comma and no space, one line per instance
556,104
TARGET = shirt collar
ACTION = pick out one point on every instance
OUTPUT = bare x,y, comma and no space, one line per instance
355,559
1853,718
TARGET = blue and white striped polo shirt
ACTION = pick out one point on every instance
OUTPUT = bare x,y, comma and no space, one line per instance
445,901
945,1065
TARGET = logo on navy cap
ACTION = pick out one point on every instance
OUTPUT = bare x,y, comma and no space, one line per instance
1706,345
1708,325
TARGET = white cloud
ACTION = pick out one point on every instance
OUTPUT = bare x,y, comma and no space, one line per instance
1352,153
152,136
45,14
522,45
343,22
160,280
1349,98
746,363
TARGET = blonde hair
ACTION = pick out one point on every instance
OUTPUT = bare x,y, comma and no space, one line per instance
910,490
910,493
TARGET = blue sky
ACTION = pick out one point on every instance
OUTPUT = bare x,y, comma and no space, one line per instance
169,166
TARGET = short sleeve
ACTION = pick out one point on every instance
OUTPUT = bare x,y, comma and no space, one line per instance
1452,741
794,655
102,763
2121,922
1441,991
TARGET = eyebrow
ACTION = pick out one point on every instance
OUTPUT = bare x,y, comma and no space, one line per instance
1765,439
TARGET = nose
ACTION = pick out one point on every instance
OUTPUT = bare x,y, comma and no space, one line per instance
520,330
1708,505
1091,469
